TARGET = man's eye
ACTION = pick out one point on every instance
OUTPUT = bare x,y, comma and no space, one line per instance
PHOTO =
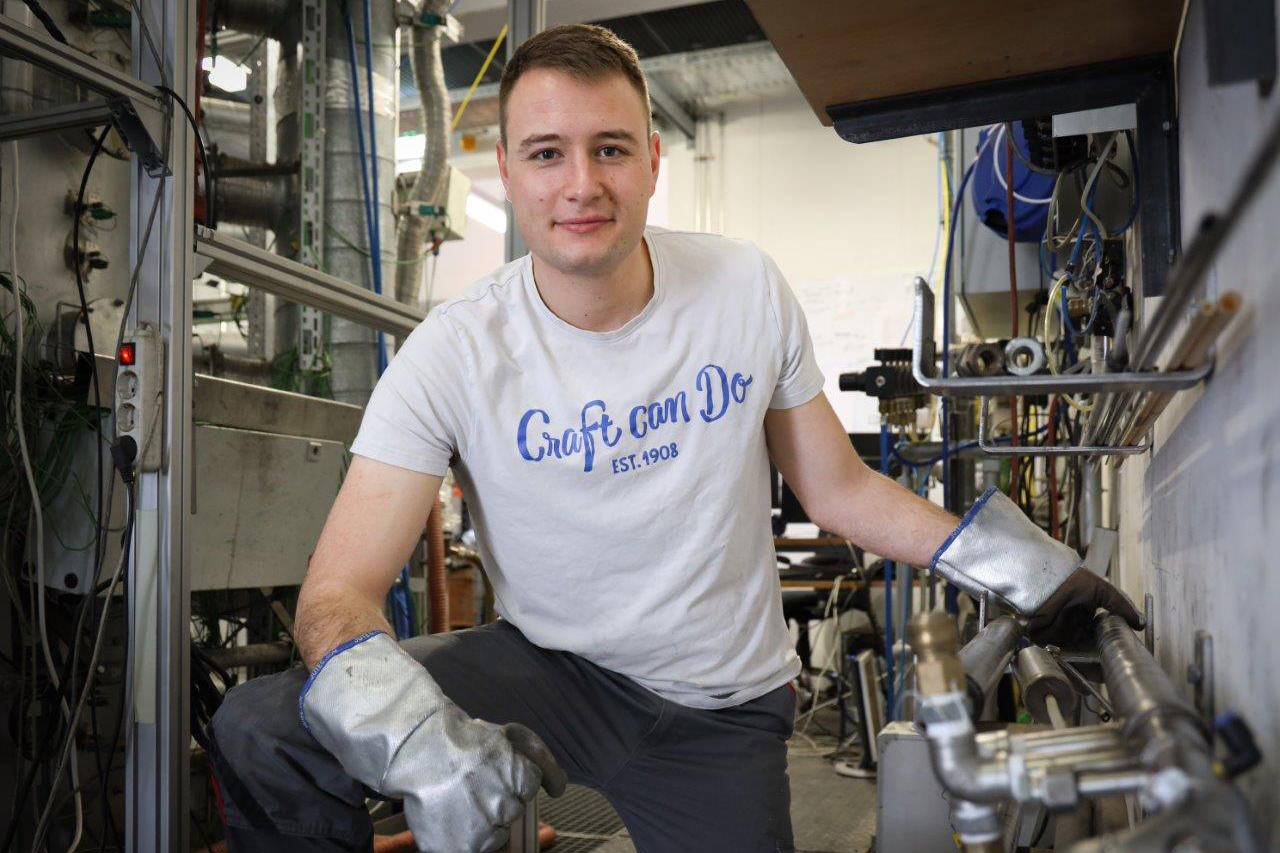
611,151
550,154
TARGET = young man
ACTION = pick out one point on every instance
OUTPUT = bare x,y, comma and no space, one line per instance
610,404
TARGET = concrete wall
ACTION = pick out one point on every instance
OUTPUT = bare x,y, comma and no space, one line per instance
1197,515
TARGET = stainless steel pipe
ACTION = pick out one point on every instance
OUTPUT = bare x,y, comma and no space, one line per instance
985,657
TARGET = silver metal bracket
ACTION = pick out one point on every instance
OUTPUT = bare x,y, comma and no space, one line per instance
1149,622
1200,675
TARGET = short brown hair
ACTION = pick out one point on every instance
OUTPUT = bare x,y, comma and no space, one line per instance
585,51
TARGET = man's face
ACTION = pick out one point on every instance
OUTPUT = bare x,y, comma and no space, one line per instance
579,166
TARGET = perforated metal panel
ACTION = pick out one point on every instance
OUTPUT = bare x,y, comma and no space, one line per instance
583,818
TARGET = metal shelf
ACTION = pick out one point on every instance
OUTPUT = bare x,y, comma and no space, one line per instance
924,351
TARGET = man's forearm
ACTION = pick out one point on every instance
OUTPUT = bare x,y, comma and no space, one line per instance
887,519
331,613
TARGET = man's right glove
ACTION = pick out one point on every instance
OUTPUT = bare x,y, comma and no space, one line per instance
463,781
997,549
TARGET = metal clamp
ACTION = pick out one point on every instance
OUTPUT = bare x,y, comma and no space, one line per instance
924,351
1055,450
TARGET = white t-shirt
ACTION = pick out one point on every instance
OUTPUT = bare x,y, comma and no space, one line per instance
618,480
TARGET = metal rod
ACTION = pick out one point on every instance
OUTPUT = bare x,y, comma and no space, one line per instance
1053,450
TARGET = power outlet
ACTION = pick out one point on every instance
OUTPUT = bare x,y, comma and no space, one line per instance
139,385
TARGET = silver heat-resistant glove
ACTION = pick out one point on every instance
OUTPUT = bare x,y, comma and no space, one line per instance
463,781
997,549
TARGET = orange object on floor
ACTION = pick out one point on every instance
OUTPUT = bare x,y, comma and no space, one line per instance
402,842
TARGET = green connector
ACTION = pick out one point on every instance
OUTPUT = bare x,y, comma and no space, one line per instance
101,212
430,210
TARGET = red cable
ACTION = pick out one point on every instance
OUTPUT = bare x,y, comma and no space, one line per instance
1016,462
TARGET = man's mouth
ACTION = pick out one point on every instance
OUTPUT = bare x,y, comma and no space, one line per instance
583,224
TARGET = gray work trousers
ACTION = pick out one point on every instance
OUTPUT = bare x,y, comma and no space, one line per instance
682,779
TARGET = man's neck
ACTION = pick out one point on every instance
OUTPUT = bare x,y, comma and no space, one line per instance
598,303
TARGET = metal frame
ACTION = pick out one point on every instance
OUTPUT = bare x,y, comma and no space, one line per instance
922,368
134,106
62,117
157,786
244,262
1146,82
1053,450
310,341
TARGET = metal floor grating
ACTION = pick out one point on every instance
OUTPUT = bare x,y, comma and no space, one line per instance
583,818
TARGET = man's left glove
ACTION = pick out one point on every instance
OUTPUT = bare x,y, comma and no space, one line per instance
997,549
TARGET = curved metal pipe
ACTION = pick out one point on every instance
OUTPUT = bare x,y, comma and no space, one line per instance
434,122
985,657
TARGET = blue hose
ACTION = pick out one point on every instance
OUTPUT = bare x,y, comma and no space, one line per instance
369,198
375,218
888,587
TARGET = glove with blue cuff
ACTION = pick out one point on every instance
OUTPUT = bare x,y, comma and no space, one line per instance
463,781
997,549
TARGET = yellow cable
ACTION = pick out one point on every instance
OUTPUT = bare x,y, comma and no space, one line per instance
493,51
1050,309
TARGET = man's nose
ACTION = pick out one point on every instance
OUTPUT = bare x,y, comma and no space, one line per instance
582,181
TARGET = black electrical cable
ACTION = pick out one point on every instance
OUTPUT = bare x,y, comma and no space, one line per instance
204,155
123,453
45,20
99,550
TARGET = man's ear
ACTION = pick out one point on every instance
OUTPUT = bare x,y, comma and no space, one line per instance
655,159
502,166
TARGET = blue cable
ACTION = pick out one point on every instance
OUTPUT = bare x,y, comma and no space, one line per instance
370,219
375,220
888,587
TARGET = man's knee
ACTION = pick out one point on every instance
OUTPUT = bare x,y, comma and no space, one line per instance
256,715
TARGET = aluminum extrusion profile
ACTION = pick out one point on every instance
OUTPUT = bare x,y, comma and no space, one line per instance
243,262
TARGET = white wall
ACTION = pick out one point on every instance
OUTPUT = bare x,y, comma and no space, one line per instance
1198,515
849,225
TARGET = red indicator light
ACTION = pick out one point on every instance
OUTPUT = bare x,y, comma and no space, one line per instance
128,354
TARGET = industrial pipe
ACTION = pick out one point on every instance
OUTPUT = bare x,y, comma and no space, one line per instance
256,17
258,201
1046,691
1164,725
985,657
434,124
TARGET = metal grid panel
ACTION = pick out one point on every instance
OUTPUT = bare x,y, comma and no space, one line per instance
583,818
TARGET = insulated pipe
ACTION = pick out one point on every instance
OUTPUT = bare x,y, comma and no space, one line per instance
259,201
434,124
257,17
1043,681
346,249
437,577
1158,717
985,657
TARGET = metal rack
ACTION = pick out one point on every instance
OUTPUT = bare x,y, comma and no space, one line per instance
923,368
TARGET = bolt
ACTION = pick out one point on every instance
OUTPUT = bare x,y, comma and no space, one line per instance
1166,126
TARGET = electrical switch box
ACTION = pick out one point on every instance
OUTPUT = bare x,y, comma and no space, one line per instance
139,386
